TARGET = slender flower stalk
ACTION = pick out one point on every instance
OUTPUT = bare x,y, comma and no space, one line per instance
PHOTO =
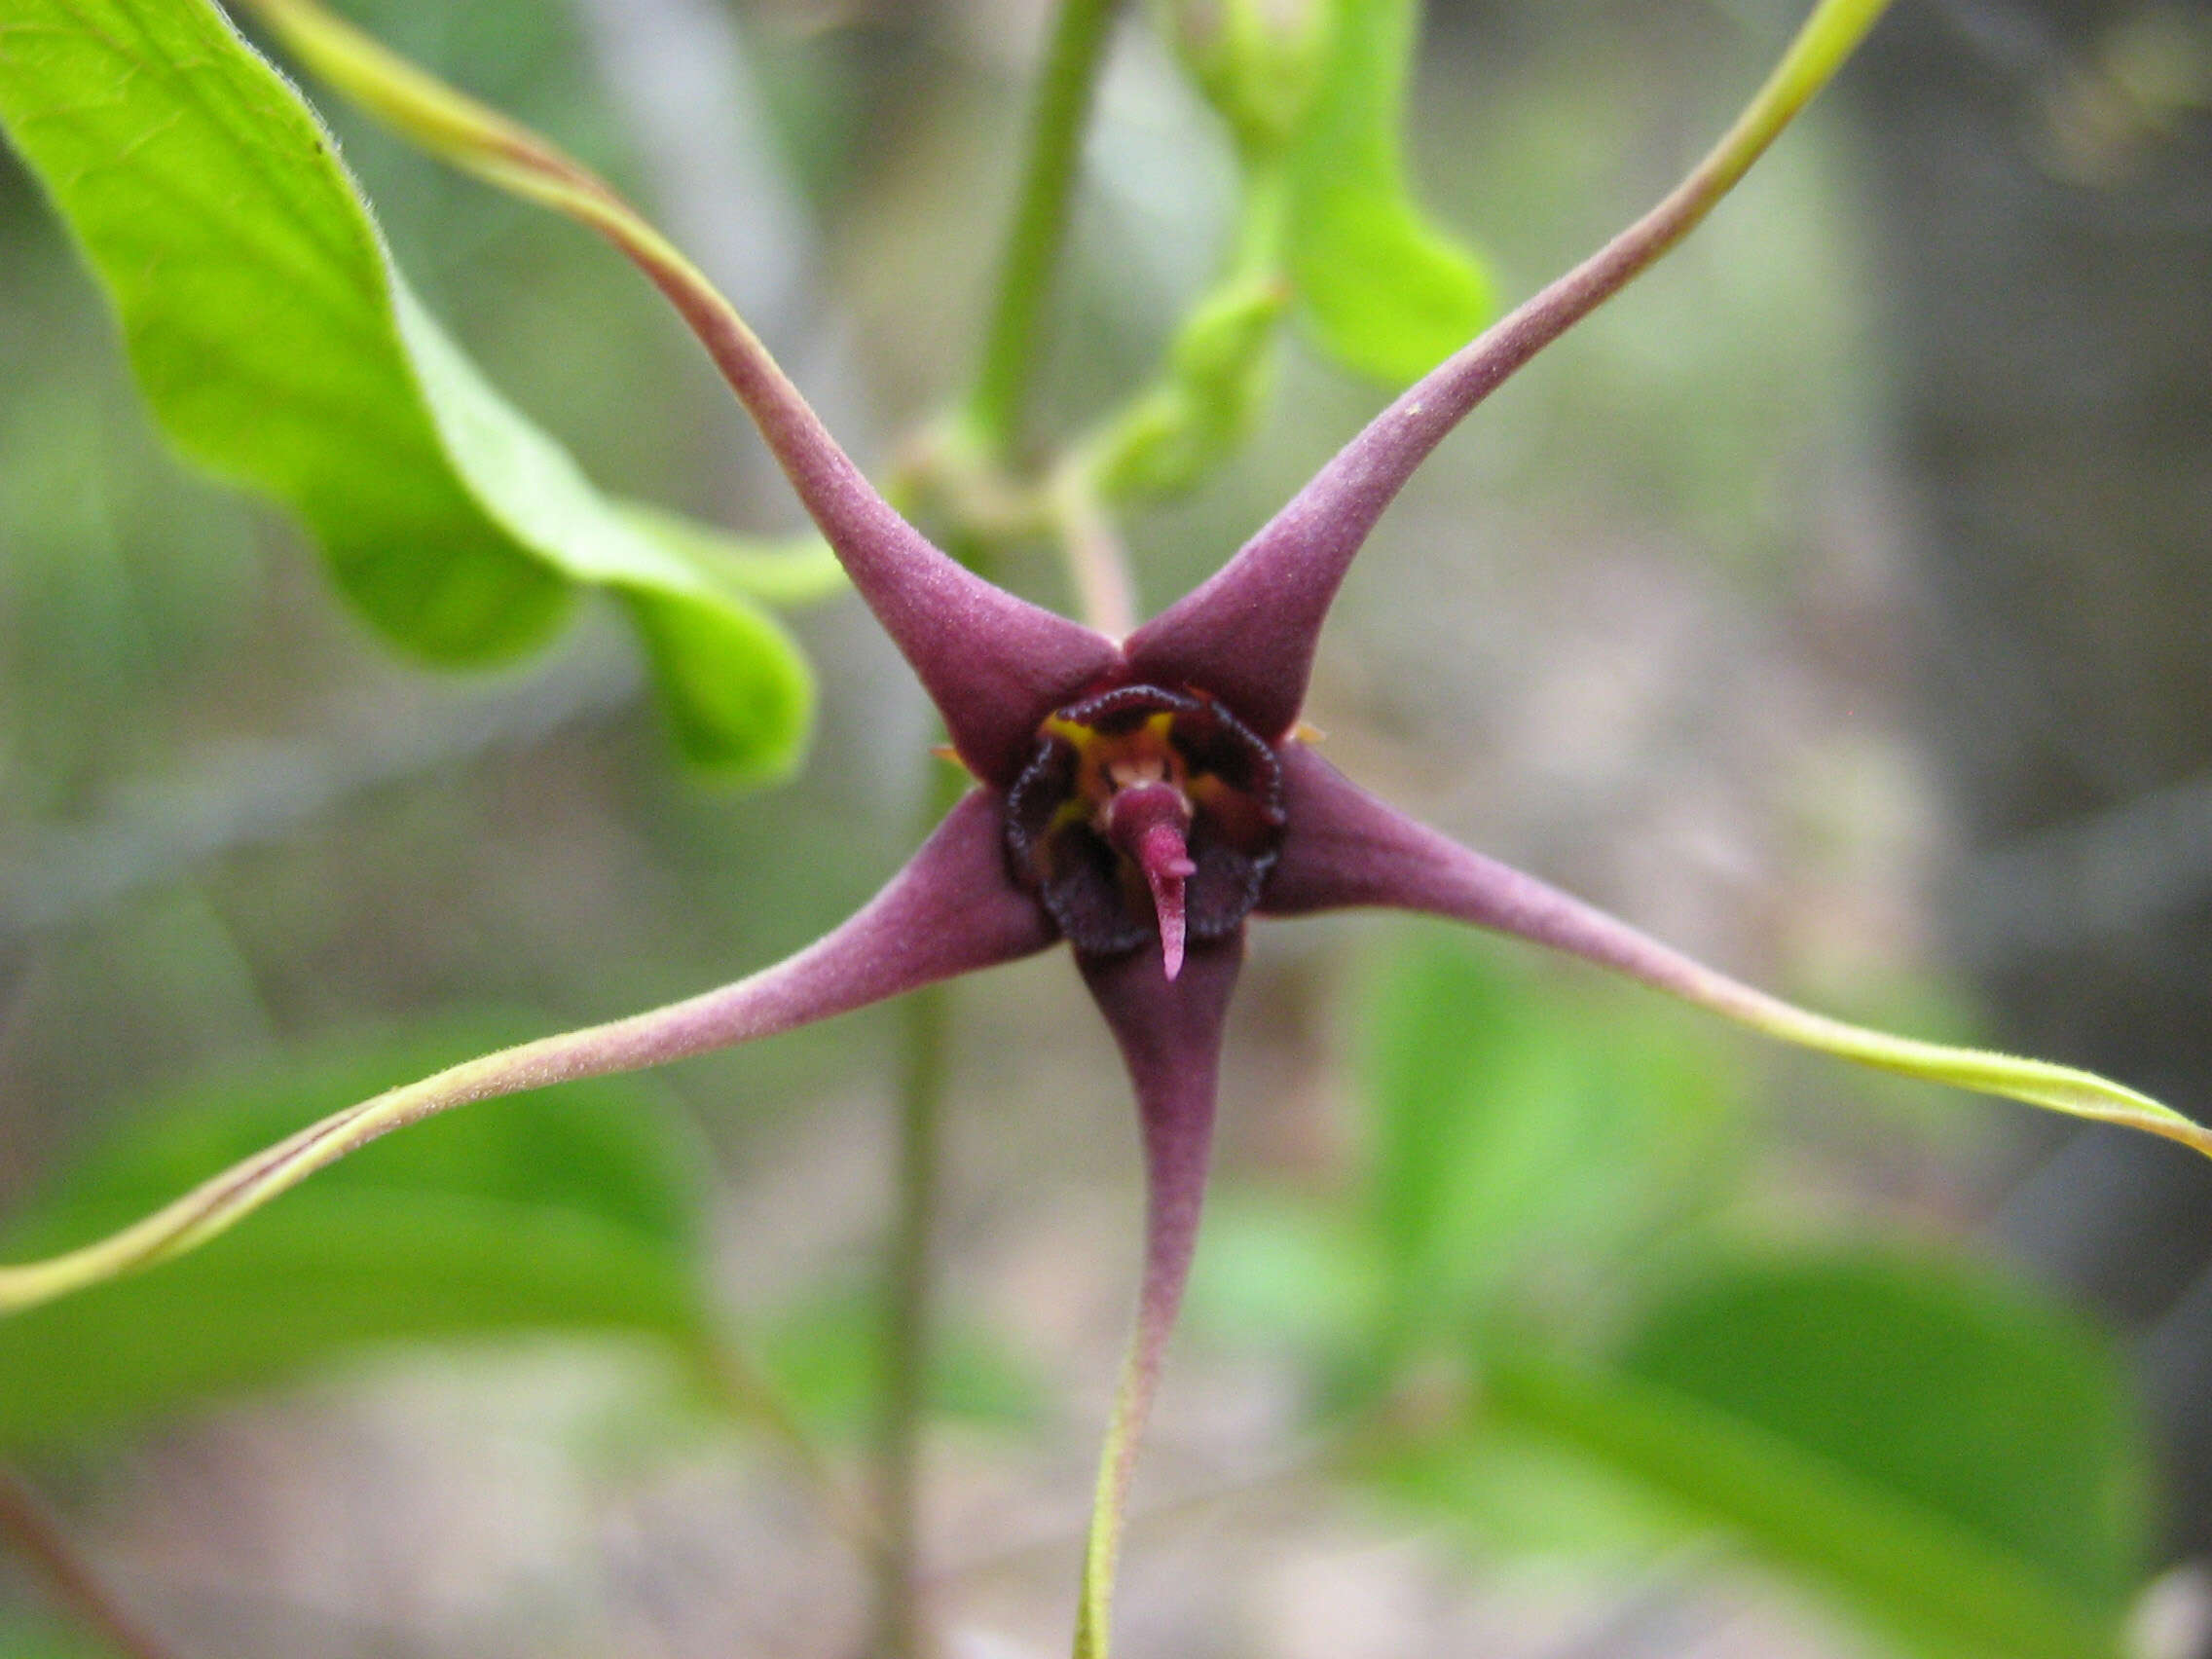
1013,334
924,1041
1098,565
1140,799
30,1530
909,1280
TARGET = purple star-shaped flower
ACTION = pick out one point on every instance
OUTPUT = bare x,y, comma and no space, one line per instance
1140,799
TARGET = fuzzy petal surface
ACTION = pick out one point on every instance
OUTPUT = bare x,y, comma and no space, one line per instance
1169,1032
952,909
1248,633
993,664
1346,847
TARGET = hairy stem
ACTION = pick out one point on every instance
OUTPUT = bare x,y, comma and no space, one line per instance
992,412
30,1527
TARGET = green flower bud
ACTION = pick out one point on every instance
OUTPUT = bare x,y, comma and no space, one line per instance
1257,61
1216,373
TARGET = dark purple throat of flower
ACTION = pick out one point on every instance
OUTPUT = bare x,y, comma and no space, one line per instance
1145,813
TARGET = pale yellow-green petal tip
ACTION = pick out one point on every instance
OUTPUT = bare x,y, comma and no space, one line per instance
169,1232
2036,1083
34,1282
1103,1548
217,1204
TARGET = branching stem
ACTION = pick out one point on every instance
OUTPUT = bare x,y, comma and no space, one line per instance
989,424
30,1527
902,1625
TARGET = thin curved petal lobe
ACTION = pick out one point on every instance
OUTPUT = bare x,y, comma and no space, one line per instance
993,664
952,909
1349,848
1248,634
1169,1033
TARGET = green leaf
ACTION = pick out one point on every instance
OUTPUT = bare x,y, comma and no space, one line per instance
1203,403
576,1209
1520,1124
739,695
1283,1272
1510,1493
824,1355
280,347
1385,293
795,570
24,1639
1955,1459
1964,1395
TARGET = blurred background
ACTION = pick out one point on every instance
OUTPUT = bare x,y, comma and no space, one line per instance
1835,606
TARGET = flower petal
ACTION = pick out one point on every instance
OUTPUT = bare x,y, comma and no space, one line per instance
1170,1036
952,909
995,665
1345,847
1247,635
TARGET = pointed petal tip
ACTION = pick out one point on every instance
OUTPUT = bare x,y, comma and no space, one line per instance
1351,849
1170,1036
953,908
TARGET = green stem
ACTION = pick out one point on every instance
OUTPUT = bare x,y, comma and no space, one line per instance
27,1523
1262,217
901,1625
901,1630
757,1400
1198,405
992,412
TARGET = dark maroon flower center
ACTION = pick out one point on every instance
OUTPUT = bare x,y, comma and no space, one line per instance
1145,813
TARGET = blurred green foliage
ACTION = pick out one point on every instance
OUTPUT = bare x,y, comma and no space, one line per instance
21,1639
1384,290
823,1353
280,347
1530,1136
1541,1319
573,1210
1916,1372
1550,1213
